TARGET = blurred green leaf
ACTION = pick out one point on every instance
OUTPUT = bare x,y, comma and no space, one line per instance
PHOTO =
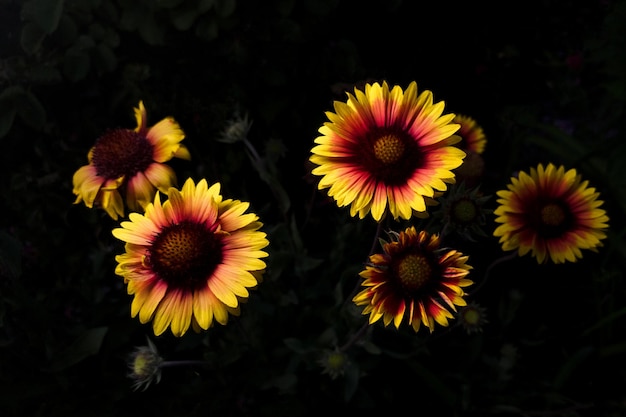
45,13
225,8
105,58
31,38
351,375
184,18
570,366
87,344
205,5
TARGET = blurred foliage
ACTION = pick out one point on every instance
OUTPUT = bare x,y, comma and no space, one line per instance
547,82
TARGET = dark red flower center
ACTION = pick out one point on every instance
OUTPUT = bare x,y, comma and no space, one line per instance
389,154
185,255
413,271
121,152
553,219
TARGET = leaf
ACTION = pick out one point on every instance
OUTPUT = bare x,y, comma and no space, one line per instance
31,38
184,18
87,344
44,13
225,8
352,375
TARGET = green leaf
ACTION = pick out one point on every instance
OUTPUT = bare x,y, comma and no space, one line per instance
151,31
87,344
205,5
105,58
184,18
44,13
352,375
225,8
570,366
31,38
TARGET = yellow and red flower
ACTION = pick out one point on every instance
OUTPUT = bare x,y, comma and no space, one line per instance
130,162
386,151
191,260
415,278
472,135
551,213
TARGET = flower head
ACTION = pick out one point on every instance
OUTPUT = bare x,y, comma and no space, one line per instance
334,363
473,317
130,163
236,129
462,212
145,366
386,151
551,213
473,137
192,259
473,142
414,277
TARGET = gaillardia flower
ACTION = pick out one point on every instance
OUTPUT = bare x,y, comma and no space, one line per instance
473,142
414,277
473,137
551,213
130,162
192,259
386,151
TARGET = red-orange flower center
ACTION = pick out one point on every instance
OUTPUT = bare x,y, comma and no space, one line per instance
121,152
388,149
185,254
392,155
413,271
552,215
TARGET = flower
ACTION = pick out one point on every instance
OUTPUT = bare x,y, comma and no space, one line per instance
145,366
236,129
130,162
473,317
462,212
192,259
334,363
473,137
386,151
416,277
473,142
551,213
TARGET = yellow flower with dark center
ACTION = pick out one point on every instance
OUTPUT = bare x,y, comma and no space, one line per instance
387,151
415,278
551,213
192,259
130,162
473,138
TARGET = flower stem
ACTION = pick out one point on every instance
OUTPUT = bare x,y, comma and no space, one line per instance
355,337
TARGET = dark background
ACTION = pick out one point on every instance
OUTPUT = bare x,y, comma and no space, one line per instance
546,81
